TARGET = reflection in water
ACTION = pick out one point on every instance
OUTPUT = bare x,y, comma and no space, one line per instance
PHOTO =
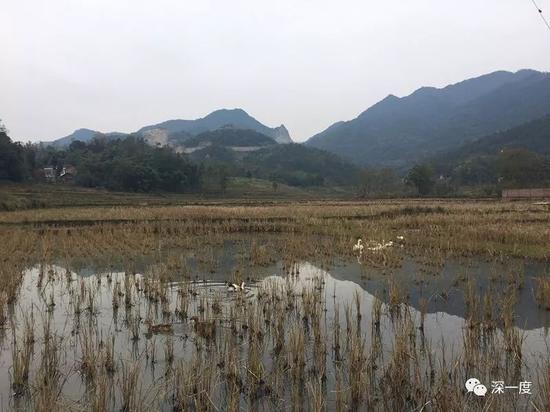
442,287
130,311
445,289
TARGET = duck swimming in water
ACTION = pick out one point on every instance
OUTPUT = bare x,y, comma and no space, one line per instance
233,287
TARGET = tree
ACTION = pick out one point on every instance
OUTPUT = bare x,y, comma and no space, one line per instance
376,182
12,160
522,168
223,180
127,164
421,176
475,171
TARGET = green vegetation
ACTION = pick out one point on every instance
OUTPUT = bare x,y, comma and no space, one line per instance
181,130
515,158
534,136
297,165
382,182
482,175
519,157
14,159
229,136
288,164
126,164
421,176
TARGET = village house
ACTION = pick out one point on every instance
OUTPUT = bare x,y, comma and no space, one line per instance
67,174
49,174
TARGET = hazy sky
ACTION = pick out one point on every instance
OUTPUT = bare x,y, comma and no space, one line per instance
119,65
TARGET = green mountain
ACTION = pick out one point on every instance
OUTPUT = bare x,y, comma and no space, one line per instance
399,131
84,135
237,118
533,136
290,164
299,165
231,137
515,158
175,133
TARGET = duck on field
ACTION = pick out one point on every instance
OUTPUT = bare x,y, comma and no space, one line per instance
233,287
358,246
400,240
379,246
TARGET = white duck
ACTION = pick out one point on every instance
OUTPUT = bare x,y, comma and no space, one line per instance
233,287
358,247
379,246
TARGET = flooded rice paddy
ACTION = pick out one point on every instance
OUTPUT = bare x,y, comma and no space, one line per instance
169,332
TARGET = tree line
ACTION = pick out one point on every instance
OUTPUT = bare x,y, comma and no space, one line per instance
481,175
130,164
127,164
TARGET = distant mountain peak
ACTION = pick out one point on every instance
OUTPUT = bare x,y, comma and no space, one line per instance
426,90
281,135
81,134
236,112
174,132
236,117
226,110
398,131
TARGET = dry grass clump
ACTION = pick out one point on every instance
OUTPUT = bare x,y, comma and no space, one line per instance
22,353
542,292
50,379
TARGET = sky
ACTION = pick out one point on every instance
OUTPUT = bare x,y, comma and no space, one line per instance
117,65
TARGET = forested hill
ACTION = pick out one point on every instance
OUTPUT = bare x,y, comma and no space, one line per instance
131,164
229,136
399,131
175,133
236,118
298,165
518,157
292,164
533,136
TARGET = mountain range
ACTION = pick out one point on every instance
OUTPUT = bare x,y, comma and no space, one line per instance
395,132
400,131
175,132
533,136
